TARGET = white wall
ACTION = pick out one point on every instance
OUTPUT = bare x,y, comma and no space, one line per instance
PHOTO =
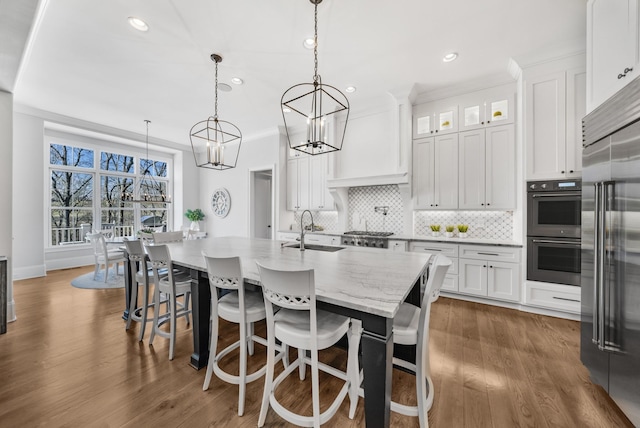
31,258
261,152
6,178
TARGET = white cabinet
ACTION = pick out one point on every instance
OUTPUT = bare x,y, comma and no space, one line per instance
491,107
307,183
613,47
397,245
450,283
487,169
298,183
434,119
288,236
490,272
320,198
435,172
559,297
554,107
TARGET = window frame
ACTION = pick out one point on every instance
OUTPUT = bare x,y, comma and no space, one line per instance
99,146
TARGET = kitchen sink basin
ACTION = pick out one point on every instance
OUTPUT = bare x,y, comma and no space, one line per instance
316,247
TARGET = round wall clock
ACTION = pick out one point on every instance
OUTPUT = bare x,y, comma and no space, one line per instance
221,202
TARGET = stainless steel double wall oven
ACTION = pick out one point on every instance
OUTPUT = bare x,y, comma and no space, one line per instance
553,231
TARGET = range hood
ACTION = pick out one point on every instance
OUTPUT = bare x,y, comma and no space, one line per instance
376,180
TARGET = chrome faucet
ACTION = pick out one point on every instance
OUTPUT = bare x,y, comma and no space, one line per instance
302,228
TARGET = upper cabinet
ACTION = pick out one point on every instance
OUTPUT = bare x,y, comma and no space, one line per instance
434,119
487,169
491,107
555,104
613,48
435,172
307,182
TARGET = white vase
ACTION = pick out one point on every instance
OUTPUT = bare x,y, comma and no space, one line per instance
435,233
195,226
462,234
448,234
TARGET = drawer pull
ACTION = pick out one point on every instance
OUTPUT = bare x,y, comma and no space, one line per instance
432,249
568,300
489,254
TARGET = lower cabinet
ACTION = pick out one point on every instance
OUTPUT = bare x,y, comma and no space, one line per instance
397,245
490,272
450,283
558,297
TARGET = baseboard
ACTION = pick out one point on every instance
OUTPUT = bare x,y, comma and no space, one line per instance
68,263
27,272
11,311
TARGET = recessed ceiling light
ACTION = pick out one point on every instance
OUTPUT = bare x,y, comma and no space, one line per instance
138,23
450,57
237,81
224,87
309,43
350,89
286,110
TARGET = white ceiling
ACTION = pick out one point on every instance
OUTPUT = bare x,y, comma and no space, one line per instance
85,61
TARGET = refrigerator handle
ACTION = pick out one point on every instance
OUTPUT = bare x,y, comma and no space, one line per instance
601,263
608,337
596,265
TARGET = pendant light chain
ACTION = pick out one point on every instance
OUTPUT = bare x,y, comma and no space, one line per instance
315,45
215,116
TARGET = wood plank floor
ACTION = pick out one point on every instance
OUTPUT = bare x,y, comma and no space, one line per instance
67,361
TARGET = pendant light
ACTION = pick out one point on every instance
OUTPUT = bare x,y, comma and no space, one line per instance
315,114
149,189
215,143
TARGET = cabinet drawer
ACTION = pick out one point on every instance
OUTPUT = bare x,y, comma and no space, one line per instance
450,284
449,250
288,236
560,297
397,245
498,254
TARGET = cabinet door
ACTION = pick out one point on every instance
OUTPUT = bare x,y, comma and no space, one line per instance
545,126
445,186
473,277
423,121
320,198
292,185
447,119
499,109
304,201
612,47
472,114
472,169
423,162
576,110
500,158
503,281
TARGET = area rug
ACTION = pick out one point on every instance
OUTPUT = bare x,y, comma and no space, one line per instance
86,280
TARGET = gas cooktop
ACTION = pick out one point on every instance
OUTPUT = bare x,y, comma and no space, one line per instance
364,233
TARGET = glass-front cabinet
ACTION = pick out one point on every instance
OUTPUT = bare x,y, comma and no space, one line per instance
434,119
490,107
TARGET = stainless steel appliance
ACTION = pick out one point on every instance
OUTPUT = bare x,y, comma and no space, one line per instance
554,208
553,231
610,327
366,239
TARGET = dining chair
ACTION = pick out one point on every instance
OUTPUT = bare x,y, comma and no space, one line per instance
299,324
411,327
173,285
140,274
233,303
108,230
167,237
104,256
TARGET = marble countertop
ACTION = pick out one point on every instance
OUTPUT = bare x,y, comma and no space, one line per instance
364,279
426,238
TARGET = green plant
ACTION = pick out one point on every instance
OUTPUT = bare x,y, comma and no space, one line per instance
435,227
462,228
194,215
449,228
145,230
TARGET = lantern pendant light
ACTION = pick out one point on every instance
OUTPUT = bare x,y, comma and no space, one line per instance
315,114
215,143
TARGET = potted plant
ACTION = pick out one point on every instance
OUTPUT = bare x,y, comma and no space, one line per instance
195,216
462,230
449,230
146,234
435,229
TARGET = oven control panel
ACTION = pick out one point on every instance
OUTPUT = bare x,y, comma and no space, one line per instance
554,186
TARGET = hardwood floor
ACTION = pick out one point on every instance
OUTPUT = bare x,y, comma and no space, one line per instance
67,361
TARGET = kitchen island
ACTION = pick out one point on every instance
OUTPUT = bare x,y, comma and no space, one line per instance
357,282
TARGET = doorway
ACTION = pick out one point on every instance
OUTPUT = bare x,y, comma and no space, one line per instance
261,204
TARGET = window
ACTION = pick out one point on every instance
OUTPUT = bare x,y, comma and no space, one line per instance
78,171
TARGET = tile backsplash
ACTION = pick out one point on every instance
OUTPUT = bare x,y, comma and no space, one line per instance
482,224
362,209
327,219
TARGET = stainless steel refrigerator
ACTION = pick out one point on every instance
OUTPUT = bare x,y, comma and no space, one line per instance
610,277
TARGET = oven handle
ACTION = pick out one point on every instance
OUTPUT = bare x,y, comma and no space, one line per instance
549,241
555,195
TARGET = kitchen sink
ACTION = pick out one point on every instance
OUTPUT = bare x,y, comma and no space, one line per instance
316,247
